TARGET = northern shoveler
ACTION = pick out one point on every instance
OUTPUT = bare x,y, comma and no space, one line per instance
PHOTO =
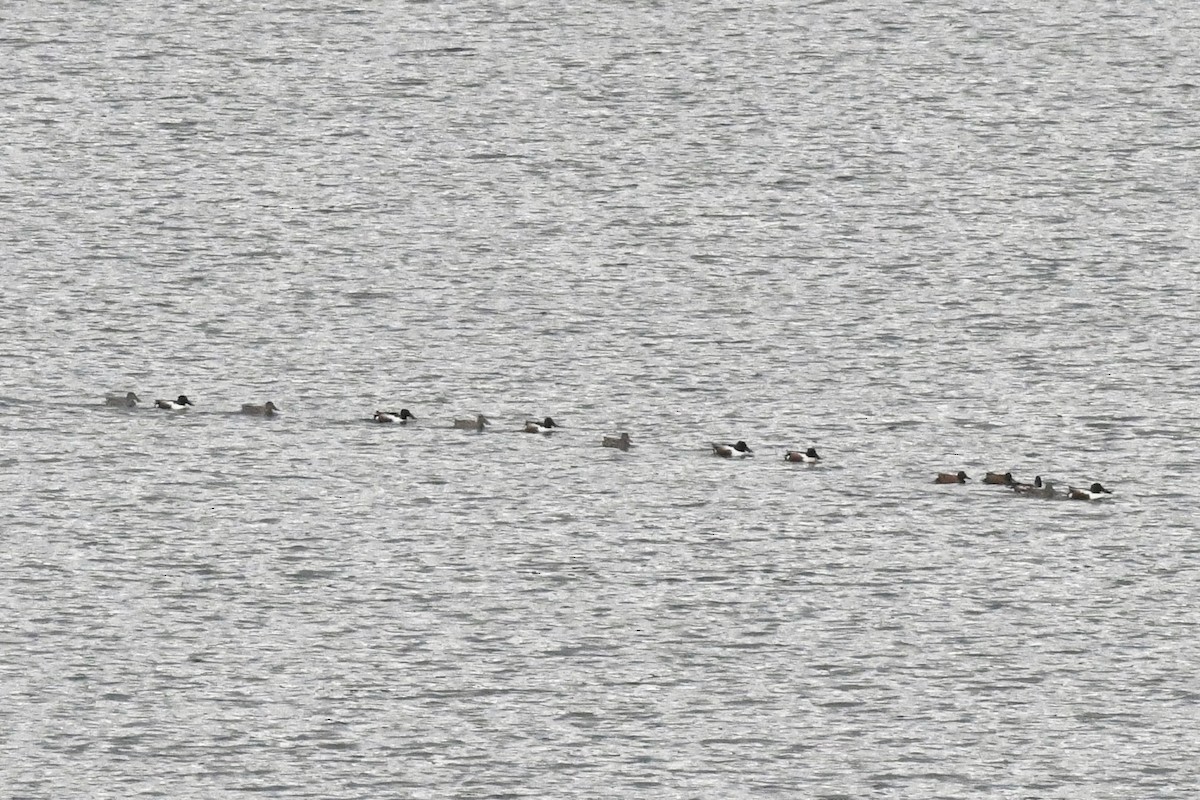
738,450
808,456
545,426
178,404
1093,492
402,416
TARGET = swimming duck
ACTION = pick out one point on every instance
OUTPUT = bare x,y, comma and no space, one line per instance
998,479
129,400
620,442
472,424
738,450
268,409
1039,488
402,416
809,456
1093,492
1025,488
950,477
178,404
545,426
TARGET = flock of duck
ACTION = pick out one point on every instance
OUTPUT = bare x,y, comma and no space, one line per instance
739,449
1039,488
181,403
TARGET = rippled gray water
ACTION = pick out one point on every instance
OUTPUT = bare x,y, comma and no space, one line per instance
920,237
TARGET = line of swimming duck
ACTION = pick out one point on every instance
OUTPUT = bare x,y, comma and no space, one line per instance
622,441
547,425
1039,488
740,449
182,403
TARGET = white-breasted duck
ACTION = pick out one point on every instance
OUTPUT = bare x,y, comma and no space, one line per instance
402,416
180,403
1093,492
737,450
545,426
808,456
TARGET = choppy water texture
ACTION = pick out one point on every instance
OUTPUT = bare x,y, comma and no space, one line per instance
919,237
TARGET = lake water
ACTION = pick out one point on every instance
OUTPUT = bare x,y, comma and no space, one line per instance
920,237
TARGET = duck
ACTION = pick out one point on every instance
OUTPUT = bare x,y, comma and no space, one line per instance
129,400
620,442
178,404
1039,488
809,456
472,424
1093,492
267,409
996,478
738,450
545,426
951,477
1025,488
402,416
